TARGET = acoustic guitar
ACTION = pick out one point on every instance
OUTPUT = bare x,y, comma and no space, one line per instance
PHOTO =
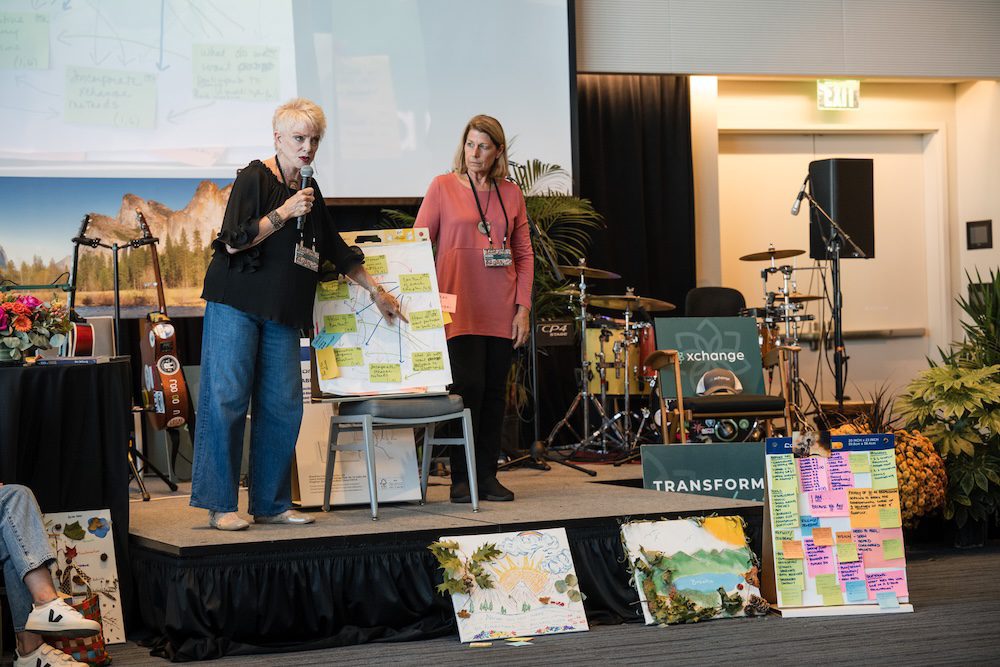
165,393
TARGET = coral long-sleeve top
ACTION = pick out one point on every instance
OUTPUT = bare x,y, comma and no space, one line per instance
487,297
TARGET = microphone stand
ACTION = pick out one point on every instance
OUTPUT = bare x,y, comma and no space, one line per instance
833,247
538,452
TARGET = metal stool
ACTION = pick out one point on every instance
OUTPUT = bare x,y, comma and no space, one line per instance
385,413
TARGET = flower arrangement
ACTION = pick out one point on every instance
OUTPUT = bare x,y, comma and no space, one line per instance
28,323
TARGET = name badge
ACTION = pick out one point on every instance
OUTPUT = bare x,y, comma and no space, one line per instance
306,257
497,257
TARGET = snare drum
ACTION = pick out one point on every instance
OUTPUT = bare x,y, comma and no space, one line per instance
614,363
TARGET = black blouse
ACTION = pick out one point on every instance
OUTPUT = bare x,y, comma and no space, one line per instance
263,280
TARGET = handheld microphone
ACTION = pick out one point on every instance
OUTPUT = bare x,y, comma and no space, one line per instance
798,198
306,173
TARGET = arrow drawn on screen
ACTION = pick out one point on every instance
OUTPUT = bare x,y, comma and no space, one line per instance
173,116
22,80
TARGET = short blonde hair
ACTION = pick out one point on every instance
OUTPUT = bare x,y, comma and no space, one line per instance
296,111
492,128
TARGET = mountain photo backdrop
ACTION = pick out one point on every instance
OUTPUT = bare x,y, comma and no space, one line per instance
41,216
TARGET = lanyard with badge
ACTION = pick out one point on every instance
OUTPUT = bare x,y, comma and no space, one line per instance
305,256
493,257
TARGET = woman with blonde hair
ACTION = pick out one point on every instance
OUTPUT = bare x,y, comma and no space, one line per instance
259,289
478,223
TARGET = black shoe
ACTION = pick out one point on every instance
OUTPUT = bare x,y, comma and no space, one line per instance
492,489
460,492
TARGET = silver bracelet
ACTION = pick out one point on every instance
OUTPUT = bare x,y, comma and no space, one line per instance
276,220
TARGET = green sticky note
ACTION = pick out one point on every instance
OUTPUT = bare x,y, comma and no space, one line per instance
235,71
892,549
25,40
414,282
428,361
118,98
784,509
847,552
384,373
883,464
340,323
791,596
376,264
782,535
833,598
859,462
888,517
422,320
335,290
349,356
826,583
789,573
784,475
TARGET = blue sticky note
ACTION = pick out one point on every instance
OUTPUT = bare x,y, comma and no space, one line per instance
887,600
857,591
807,523
325,340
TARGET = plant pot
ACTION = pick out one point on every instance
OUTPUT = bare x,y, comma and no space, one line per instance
7,360
972,535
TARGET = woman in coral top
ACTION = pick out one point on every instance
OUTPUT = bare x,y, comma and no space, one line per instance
477,221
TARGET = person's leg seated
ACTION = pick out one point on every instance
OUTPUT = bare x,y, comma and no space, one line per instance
229,347
274,427
35,606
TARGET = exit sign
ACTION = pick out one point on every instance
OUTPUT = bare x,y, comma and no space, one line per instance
838,94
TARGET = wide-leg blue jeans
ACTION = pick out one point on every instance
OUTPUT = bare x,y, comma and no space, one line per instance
246,360
24,546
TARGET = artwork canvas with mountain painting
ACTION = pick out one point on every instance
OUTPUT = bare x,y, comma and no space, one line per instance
695,569
518,584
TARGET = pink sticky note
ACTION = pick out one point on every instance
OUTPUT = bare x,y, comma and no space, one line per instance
814,474
828,503
448,302
869,542
819,560
849,572
890,580
841,476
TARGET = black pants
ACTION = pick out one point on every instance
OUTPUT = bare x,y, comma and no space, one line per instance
479,368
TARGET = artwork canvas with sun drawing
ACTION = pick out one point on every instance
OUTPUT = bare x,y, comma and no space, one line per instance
526,586
695,569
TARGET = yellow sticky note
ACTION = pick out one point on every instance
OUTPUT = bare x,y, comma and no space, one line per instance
428,361
333,290
859,462
784,475
26,40
446,317
423,320
784,509
326,362
792,549
823,537
826,584
883,464
847,552
834,598
384,373
340,323
888,517
782,535
789,572
349,356
892,549
414,282
791,596
844,536
376,264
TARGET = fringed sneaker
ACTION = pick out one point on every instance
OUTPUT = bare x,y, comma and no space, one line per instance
58,618
287,517
227,521
46,656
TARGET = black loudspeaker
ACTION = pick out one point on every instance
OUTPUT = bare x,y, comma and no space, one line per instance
843,188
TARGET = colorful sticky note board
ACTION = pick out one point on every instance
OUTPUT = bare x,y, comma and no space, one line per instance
835,520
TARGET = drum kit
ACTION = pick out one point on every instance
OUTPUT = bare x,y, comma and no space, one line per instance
612,350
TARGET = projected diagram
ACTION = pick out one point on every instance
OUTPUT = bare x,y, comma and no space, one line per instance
358,352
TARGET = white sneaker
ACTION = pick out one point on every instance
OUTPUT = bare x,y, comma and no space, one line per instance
226,521
46,656
58,618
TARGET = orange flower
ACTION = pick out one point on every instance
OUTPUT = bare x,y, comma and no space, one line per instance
20,309
22,323
8,305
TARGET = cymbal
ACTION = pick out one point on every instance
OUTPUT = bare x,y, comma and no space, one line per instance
628,302
588,272
770,254
569,291
795,297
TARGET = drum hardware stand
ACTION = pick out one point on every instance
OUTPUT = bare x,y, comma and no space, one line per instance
132,451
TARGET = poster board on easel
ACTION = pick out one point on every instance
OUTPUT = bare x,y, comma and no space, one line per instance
357,353
835,527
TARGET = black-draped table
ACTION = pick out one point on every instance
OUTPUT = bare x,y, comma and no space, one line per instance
64,434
